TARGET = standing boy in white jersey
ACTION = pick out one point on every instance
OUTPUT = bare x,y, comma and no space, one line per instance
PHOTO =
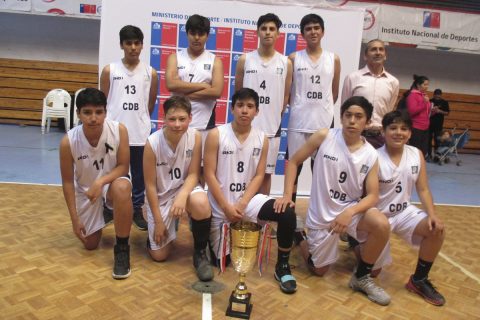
131,88
344,193
197,74
270,74
316,76
401,168
235,157
172,166
94,164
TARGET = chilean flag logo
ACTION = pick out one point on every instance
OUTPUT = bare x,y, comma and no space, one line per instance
431,19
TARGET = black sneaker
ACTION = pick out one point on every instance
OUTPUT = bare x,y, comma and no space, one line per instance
202,265
138,219
121,264
299,236
107,215
425,289
288,284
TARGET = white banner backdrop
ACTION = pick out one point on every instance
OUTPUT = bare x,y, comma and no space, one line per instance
69,7
233,32
16,5
429,27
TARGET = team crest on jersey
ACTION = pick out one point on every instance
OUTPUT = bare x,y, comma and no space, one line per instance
364,168
414,169
279,70
256,152
207,66
188,153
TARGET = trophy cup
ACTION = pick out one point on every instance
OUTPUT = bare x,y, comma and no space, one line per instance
244,238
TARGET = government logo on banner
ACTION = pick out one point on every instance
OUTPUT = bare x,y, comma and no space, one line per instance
431,19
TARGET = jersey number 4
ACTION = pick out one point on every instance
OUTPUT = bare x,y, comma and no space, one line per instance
263,85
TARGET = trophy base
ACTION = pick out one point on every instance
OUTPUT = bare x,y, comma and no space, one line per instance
239,308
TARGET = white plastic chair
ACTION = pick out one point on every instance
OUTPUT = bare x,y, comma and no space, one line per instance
56,104
76,121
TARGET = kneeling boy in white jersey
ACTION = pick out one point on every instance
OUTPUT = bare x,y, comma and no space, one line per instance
171,164
94,160
344,192
401,168
235,160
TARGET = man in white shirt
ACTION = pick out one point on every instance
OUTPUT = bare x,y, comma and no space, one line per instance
375,84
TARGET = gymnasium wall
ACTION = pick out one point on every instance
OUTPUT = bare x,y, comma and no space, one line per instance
51,38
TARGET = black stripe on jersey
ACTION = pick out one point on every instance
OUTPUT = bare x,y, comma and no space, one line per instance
211,122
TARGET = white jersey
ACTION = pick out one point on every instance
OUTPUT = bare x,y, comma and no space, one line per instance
236,163
171,166
268,80
128,98
197,70
338,178
91,163
311,99
397,183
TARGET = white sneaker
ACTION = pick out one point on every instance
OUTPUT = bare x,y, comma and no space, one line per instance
366,285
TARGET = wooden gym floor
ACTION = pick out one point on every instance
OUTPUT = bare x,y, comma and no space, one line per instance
46,274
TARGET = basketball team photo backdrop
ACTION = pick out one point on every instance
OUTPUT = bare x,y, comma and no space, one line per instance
232,33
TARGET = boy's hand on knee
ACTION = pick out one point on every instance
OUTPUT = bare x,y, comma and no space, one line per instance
160,233
79,230
281,204
435,224
178,208
342,221
94,191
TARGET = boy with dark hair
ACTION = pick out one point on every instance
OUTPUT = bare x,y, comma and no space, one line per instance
269,17
131,87
198,24
172,166
401,168
269,73
197,74
94,166
316,77
344,193
235,158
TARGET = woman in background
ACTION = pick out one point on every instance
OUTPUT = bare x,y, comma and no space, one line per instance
418,106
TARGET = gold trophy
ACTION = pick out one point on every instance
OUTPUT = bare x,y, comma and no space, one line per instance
244,238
